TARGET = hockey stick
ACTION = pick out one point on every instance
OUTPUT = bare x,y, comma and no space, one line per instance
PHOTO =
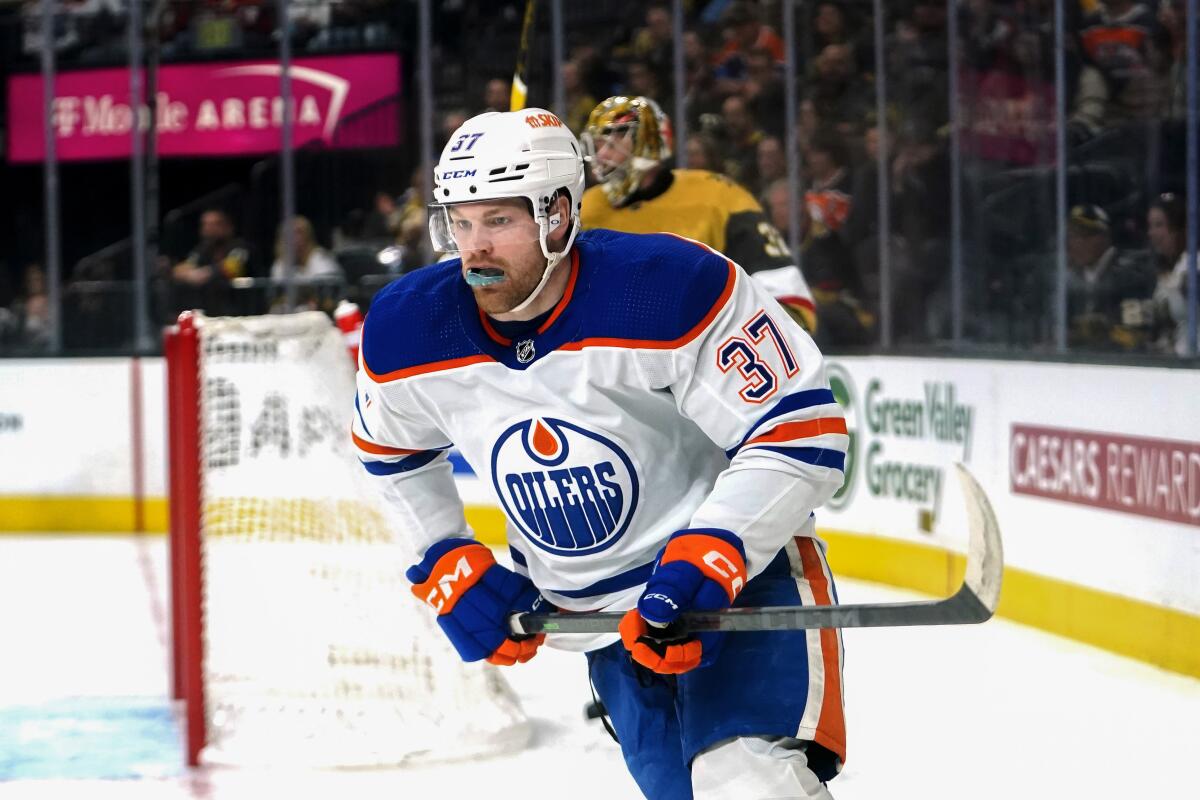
974,602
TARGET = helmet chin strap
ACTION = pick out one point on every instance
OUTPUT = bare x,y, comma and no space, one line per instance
552,261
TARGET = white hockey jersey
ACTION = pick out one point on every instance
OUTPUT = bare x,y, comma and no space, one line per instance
665,391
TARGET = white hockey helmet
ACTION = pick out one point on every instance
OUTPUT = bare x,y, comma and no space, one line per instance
505,154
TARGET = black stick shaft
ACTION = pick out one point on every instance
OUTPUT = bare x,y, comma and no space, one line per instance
963,608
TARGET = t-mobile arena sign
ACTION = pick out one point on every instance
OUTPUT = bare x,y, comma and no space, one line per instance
224,108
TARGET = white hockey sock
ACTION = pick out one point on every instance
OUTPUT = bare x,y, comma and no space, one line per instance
756,768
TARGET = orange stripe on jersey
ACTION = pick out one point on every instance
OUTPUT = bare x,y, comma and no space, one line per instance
421,369
492,333
831,725
787,431
651,344
379,449
565,300
797,300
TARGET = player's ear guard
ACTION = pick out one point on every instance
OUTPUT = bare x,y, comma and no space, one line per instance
474,596
698,570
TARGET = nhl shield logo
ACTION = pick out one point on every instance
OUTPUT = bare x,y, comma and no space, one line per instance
569,490
525,351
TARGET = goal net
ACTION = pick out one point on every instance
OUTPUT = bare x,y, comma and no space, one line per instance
296,638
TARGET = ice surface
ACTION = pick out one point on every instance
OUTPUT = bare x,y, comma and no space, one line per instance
991,711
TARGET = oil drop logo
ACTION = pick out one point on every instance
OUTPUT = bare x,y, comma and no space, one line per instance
569,489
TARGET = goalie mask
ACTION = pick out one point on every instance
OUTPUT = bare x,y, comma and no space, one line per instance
527,154
624,139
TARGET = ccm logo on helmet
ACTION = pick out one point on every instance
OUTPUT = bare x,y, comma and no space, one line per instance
543,121
458,173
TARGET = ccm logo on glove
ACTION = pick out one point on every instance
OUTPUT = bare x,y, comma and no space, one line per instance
719,559
474,597
452,575
698,570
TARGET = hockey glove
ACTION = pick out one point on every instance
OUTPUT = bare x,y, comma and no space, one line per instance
698,570
474,596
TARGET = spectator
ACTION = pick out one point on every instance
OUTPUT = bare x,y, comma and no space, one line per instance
33,310
920,183
919,251
1010,117
1166,223
862,225
703,152
84,30
764,91
451,121
97,309
776,203
383,221
840,97
595,70
702,98
831,24
1105,286
641,81
1172,15
917,63
1121,38
203,279
742,30
497,95
741,140
312,260
652,44
830,273
808,122
771,163
314,275
579,102
828,200
413,231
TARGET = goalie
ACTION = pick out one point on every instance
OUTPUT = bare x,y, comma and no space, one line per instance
627,143
657,435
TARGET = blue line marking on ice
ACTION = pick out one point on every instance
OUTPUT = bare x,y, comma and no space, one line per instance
96,738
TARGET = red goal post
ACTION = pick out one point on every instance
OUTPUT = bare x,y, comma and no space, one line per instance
294,637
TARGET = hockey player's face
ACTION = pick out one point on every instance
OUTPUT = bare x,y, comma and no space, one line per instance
499,239
613,148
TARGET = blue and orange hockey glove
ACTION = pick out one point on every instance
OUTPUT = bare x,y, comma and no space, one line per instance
698,570
474,596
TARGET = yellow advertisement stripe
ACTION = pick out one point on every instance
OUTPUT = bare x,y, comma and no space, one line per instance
1162,636
79,514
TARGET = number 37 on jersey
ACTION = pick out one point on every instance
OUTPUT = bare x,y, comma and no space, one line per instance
758,355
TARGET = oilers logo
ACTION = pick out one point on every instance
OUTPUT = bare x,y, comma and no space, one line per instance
569,490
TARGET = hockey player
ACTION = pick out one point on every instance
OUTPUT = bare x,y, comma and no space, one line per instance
657,434
627,143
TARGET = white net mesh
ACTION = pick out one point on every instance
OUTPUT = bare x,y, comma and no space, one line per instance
316,652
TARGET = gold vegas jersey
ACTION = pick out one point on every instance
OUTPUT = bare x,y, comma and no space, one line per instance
712,209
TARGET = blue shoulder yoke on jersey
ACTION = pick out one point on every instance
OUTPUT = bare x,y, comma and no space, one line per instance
414,321
650,289
632,290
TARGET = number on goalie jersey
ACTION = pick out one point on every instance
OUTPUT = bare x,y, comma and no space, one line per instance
628,144
654,430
